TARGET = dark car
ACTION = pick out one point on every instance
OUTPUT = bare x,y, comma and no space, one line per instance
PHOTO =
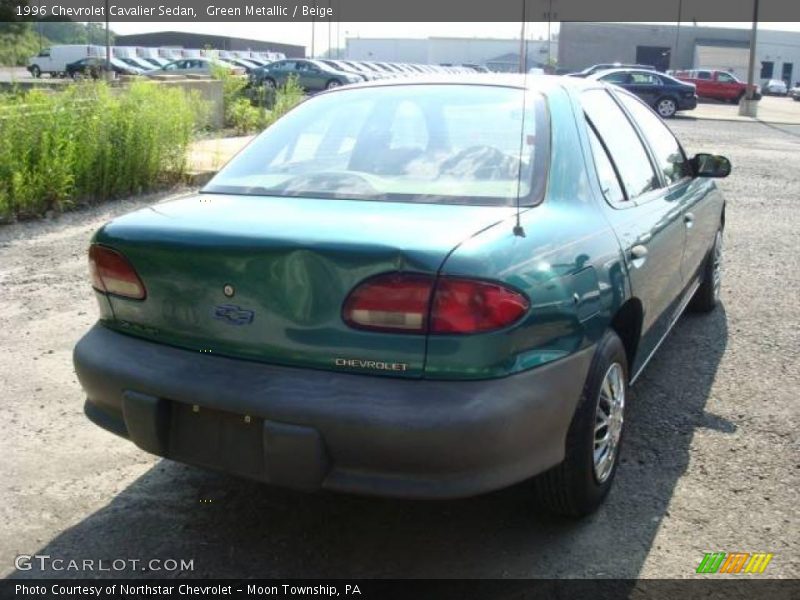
94,68
606,66
665,94
312,75
387,293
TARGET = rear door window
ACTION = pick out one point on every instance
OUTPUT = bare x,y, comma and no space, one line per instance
622,141
606,172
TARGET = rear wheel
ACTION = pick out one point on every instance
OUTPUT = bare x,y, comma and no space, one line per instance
579,484
666,107
333,83
706,297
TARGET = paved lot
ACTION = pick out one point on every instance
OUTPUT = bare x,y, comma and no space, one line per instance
710,461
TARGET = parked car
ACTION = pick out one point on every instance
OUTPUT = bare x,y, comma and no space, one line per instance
341,65
95,67
312,75
665,94
717,85
606,66
198,65
794,93
54,60
775,87
384,293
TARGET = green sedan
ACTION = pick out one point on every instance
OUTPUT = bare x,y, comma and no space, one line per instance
429,289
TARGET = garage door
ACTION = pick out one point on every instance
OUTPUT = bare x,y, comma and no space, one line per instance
728,58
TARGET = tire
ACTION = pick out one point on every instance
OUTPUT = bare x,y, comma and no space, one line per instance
270,83
36,72
706,298
578,485
666,107
333,83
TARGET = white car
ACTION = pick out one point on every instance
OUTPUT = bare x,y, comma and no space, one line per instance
794,93
775,87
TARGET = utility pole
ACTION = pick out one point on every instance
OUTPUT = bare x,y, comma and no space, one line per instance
523,46
677,36
549,35
313,23
108,46
748,106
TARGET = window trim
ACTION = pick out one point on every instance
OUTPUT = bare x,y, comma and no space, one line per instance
627,202
650,194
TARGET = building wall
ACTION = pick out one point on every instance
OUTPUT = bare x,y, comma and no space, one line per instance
585,44
181,39
438,50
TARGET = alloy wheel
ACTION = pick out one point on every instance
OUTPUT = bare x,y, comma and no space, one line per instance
666,107
609,418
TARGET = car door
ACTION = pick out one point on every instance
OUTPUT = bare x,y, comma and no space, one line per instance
701,214
645,216
729,87
645,85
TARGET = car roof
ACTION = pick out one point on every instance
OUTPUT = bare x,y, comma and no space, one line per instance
540,83
599,74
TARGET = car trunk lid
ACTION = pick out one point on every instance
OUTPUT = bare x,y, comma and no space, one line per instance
264,278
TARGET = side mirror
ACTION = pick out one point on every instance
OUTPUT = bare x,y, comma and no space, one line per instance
710,165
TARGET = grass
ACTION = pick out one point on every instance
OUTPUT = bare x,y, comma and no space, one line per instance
249,110
87,144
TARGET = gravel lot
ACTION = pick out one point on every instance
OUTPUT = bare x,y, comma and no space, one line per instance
711,461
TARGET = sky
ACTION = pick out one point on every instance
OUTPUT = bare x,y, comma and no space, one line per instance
300,33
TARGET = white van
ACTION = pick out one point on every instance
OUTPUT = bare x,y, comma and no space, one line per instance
54,60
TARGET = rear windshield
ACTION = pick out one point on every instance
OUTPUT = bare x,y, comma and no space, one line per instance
460,144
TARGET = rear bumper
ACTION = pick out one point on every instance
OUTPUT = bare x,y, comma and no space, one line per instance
312,429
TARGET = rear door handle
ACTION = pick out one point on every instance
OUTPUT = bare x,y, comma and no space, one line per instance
688,219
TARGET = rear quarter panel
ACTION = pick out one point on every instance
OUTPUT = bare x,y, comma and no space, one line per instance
568,264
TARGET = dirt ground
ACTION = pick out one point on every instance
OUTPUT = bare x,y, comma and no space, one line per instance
711,460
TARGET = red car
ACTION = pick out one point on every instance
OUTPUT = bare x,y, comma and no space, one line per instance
717,85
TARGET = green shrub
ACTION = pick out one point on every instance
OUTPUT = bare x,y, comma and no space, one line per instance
249,110
89,144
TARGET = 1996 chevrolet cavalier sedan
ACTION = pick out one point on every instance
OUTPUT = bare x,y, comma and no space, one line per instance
356,303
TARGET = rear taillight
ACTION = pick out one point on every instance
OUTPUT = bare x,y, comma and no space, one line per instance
113,274
468,306
393,302
413,303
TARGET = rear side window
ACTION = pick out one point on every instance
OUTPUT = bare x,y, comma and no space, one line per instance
668,152
622,141
606,174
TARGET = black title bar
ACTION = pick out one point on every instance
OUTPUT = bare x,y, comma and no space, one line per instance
397,10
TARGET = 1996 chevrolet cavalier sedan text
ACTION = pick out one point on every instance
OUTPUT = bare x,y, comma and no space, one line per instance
354,302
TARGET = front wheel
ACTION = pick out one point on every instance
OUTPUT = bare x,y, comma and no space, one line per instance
666,107
333,83
706,297
580,483
36,72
